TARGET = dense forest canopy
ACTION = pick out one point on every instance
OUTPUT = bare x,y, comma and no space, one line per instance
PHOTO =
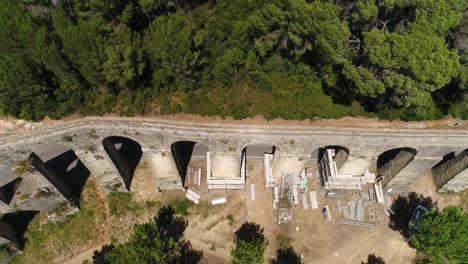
403,59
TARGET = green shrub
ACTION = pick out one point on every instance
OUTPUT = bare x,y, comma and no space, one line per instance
181,206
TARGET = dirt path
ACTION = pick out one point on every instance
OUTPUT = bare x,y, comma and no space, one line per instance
11,125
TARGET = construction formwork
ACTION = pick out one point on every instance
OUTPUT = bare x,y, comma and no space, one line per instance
219,182
330,179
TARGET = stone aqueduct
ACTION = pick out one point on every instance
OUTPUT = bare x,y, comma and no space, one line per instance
66,154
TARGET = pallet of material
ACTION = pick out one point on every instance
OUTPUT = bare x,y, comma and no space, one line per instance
192,196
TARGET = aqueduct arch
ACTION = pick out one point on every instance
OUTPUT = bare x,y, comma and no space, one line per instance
126,154
452,172
184,152
9,183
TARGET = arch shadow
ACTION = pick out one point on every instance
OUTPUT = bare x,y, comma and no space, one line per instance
126,154
61,166
9,183
14,225
183,152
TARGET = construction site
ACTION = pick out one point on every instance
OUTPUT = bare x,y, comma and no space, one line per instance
346,198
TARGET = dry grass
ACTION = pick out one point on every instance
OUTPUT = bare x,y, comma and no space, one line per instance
464,198
23,166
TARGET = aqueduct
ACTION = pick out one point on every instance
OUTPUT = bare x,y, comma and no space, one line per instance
62,156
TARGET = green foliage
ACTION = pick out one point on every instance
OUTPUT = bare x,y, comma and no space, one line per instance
283,241
159,241
124,60
250,244
181,206
122,203
248,252
172,50
443,236
293,59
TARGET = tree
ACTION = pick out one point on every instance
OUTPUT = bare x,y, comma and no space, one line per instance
83,44
443,236
279,58
250,244
173,52
159,241
124,59
296,26
286,256
406,66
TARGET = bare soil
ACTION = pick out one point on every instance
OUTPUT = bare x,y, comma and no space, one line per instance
425,185
315,239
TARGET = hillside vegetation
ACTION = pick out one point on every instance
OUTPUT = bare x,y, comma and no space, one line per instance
294,59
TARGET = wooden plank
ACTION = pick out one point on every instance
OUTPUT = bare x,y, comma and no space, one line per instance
304,201
313,200
252,192
220,200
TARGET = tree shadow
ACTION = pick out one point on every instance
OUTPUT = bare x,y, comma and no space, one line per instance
186,254
402,209
170,226
286,256
373,259
250,231
99,256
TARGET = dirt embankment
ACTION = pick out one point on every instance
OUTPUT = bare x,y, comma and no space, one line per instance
12,125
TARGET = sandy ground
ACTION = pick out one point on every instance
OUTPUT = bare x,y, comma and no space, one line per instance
425,186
